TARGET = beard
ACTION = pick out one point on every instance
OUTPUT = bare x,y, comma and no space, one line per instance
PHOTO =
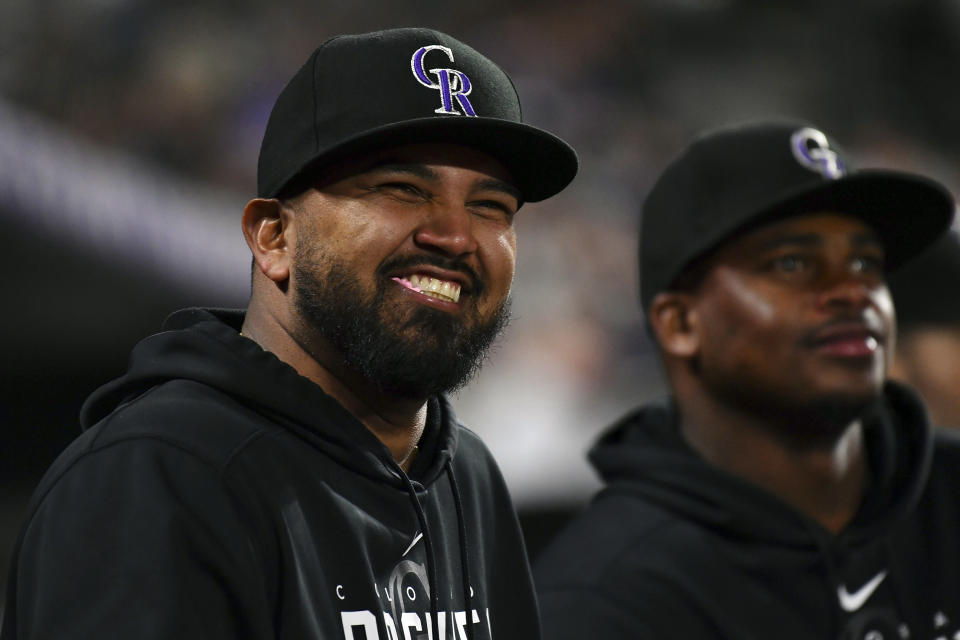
405,349
805,421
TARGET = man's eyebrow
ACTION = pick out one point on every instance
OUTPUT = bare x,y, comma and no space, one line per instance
414,169
862,239
500,185
426,173
791,240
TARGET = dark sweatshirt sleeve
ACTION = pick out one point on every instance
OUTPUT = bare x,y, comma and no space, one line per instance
577,613
599,579
138,539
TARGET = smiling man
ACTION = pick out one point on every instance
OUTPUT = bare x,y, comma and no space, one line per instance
294,470
783,490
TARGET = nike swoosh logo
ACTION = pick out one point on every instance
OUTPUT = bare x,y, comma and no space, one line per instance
850,602
416,539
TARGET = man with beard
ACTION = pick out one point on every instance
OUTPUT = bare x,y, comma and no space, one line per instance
294,470
783,490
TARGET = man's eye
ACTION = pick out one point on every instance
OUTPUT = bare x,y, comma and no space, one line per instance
790,263
495,208
867,264
402,188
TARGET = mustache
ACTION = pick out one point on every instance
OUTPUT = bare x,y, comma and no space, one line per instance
475,282
865,321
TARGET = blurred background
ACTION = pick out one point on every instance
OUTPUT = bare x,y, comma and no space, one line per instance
129,132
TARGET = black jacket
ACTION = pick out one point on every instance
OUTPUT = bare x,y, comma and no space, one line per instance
674,547
218,494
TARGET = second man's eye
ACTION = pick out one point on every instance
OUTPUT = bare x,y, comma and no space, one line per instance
867,264
790,263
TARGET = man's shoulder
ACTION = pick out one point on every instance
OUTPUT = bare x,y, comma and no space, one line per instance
619,537
172,440
629,568
468,441
184,414
472,454
475,467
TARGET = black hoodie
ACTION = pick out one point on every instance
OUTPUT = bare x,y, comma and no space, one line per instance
216,493
675,547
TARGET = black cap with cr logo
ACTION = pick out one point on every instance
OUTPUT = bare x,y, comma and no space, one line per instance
732,179
359,93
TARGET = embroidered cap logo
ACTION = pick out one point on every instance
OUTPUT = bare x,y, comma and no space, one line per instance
450,82
811,149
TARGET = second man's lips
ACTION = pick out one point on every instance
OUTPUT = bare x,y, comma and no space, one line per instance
835,332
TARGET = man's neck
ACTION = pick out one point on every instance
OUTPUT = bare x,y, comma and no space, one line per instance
823,477
398,422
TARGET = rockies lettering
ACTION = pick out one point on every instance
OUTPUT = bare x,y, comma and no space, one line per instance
411,626
404,597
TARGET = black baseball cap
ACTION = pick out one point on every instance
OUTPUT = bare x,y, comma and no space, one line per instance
359,93
732,179
926,290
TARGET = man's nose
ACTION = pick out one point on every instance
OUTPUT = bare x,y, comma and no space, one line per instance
847,289
448,229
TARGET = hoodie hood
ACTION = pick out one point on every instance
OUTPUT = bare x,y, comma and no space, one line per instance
204,345
644,454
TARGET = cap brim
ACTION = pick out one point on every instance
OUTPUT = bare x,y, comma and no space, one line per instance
908,212
540,163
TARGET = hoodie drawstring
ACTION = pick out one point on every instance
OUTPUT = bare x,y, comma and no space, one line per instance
431,558
465,567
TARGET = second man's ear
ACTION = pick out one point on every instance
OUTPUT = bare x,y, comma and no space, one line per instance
267,229
675,324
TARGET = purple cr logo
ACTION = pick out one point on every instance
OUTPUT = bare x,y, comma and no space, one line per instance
450,82
811,149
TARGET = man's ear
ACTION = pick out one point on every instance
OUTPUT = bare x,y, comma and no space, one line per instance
675,323
267,227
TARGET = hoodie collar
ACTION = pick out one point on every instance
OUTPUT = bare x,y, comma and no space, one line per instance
645,454
204,345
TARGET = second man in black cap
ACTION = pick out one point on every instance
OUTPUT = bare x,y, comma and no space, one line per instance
784,489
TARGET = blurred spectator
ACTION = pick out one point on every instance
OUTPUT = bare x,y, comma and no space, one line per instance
927,297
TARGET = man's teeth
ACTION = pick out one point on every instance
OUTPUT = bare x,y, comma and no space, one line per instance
435,288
